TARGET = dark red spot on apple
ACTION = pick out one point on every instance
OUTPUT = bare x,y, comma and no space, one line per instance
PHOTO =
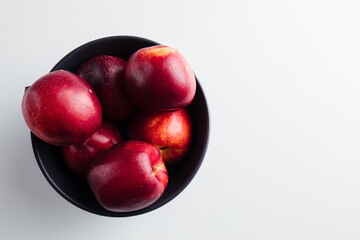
106,74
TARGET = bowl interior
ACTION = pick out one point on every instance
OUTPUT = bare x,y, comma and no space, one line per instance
75,189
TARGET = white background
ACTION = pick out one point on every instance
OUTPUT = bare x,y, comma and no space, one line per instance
283,86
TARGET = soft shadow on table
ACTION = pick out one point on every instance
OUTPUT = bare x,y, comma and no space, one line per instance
33,202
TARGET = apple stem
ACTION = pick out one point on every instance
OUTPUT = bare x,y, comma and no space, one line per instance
154,168
163,148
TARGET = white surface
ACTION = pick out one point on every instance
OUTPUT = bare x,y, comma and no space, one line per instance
282,82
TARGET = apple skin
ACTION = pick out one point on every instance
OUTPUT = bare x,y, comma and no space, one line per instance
129,176
61,108
169,131
78,157
106,74
159,78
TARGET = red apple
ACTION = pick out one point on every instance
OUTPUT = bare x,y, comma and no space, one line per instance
129,176
61,108
160,78
106,74
169,131
78,157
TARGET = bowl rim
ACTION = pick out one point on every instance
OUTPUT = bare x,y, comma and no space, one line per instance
153,206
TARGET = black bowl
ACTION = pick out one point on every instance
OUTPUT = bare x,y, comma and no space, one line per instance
75,189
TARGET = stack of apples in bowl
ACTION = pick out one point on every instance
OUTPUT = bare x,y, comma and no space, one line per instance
119,126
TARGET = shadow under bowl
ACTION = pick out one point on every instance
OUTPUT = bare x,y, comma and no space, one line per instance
75,189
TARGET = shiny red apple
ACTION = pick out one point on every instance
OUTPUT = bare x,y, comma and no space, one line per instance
106,74
129,176
78,157
169,131
160,78
61,108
